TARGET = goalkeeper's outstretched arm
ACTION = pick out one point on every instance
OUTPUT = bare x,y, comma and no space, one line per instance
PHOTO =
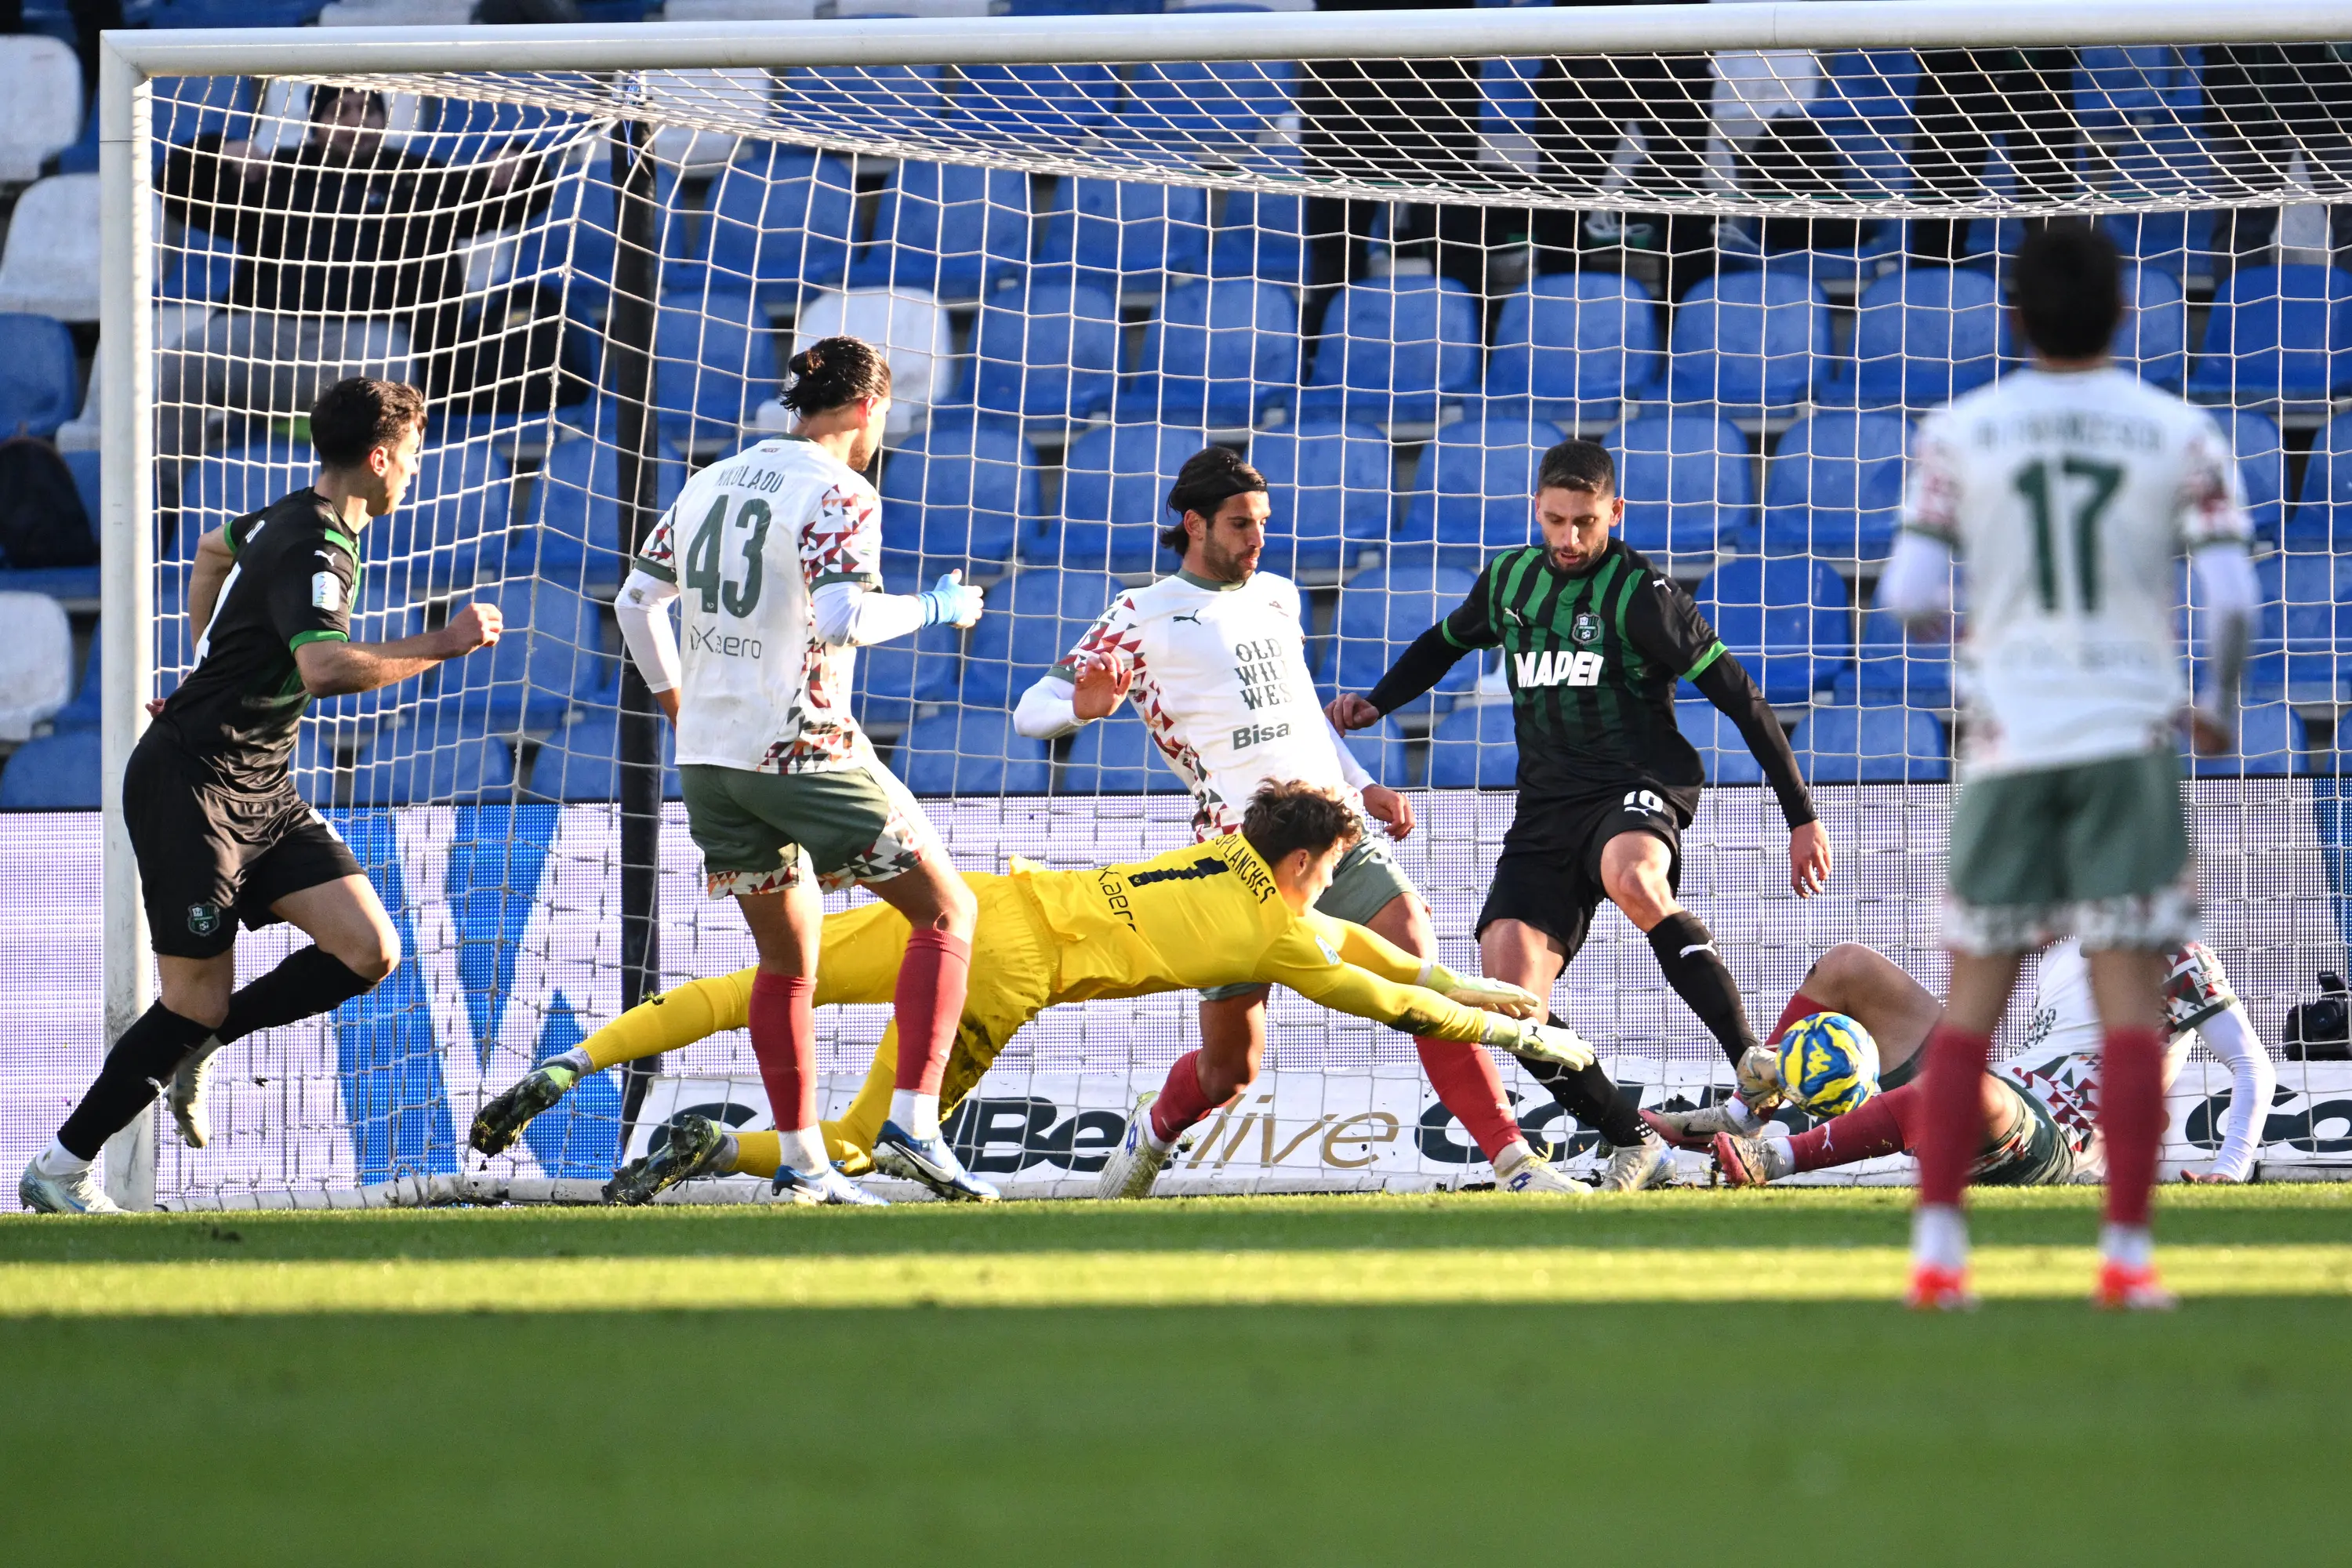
1447,1008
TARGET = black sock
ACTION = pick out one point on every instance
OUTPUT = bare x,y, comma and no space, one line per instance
150,1051
1686,950
306,984
1591,1096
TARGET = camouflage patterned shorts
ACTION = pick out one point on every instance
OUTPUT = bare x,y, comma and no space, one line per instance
762,833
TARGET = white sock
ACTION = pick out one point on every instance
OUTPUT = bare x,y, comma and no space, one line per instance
57,1160
803,1150
1940,1237
1512,1158
917,1113
1779,1159
2129,1245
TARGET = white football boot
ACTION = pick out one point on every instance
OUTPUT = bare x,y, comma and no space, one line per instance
185,1095
1634,1166
1536,1175
1697,1129
1135,1164
76,1193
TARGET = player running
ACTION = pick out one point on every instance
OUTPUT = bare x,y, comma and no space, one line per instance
1593,639
2039,1129
2066,491
1235,908
781,548
1214,659
221,834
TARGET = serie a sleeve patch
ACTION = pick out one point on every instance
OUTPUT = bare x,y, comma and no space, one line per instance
326,591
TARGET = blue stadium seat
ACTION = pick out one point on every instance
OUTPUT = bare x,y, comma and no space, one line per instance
1923,336
88,705
38,385
1475,747
1048,349
2276,334
1037,103
1394,349
714,364
219,486
1890,667
2179,243
2327,493
1032,622
1788,618
581,761
53,773
1381,612
1721,747
1261,235
551,652
1865,108
963,492
2262,464
1689,487
2271,744
1228,104
947,229
899,679
1215,354
233,13
1382,751
452,528
1754,341
1573,345
891,100
1870,745
403,767
1125,234
1118,756
968,750
1835,485
1328,484
780,218
1115,484
2154,338
572,532
2303,647
2137,87
1475,491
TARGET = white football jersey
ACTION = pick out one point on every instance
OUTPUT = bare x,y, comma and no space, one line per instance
748,541
2067,498
1220,679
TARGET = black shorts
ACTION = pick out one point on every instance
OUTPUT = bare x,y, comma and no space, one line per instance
210,856
1549,875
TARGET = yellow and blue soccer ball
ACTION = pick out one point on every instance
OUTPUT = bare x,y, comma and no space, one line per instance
1828,1064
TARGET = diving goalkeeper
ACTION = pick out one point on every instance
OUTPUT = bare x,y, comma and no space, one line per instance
1234,910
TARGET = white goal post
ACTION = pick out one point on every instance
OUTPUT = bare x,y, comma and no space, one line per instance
661,75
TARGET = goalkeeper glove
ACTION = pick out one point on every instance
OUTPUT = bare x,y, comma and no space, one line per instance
1476,991
1534,1042
953,601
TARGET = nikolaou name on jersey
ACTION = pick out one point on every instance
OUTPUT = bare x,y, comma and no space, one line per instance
1557,666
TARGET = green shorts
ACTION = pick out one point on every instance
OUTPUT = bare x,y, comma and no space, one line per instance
1368,878
758,831
2097,851
2036,1155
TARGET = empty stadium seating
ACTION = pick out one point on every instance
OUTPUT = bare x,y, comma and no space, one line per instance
1472,493
1924,335
1327,485
970,751
39,383
1688,485
571,527
1214,353
1380,612
781,220
1395,350
2272,743
1118,756
54,773
1869,744
2276,334
1722,749
1755,342
1115,484
950,230
1475,747
1572,346
40,104
36,662
714,363
1835,485
581,761
1788,619
964,493
1046,349
49,265
1125,234
1032,622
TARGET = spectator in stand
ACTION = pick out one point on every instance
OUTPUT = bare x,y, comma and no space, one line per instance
2264,102
1967,96
353,261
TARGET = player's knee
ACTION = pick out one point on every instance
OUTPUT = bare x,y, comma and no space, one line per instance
372,956
203,1004
1841,967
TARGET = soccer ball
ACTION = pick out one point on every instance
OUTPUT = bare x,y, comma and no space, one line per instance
1828,1064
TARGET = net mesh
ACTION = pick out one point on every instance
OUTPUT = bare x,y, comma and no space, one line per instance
1392,285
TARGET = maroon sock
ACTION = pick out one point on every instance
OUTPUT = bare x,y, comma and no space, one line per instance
932,978
784,1041
1181,1104
1800,1006
1873,1129
1952,1128
2131,1114
1467,1083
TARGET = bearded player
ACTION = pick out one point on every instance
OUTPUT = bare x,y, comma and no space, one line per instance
1213,656
778,552
2065,493
2039,1129
1235,908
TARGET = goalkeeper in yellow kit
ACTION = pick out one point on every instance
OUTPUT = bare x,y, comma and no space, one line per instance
1231,910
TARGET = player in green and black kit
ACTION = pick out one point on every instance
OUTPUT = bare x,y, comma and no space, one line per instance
1594,639
221,834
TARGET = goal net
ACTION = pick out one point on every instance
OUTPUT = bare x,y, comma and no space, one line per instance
1389,264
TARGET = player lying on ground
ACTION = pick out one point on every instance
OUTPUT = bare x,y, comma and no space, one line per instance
221,834
1236,910
778,550
1213,656
1593,639
2065,495
2038,1131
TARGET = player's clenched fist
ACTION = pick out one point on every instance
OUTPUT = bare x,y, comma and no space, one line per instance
1351,713
1098,684
475,625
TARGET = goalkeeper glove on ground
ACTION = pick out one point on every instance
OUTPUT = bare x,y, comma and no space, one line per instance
951,602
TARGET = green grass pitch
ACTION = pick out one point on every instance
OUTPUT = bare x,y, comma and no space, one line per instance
1708,1376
